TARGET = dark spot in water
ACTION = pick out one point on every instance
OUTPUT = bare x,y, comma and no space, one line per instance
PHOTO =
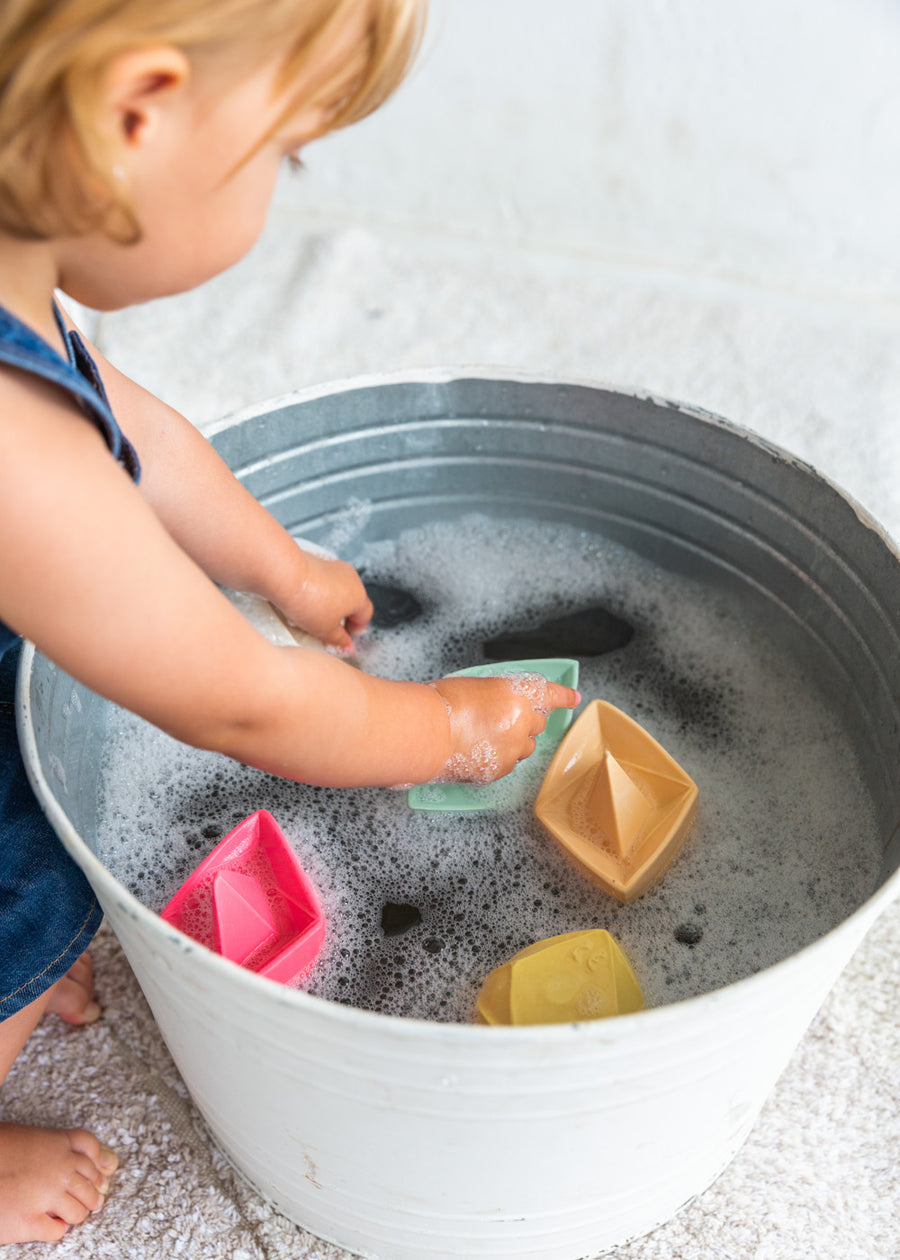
689,933
392,605
433,945
210,833
397,917
703,706
590,632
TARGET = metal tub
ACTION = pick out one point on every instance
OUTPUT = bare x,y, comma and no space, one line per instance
407,1140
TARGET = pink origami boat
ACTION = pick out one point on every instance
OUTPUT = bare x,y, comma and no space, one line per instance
252,902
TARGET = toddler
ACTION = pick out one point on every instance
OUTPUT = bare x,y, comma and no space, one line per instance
140,141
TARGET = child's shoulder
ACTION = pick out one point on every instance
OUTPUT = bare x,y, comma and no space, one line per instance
39,415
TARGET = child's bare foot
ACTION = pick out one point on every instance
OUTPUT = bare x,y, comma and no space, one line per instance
49,1179
72,997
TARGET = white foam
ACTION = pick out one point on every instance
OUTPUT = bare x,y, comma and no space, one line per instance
785,844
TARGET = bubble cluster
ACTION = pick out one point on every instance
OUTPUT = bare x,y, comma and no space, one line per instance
785,844
531,687
479,765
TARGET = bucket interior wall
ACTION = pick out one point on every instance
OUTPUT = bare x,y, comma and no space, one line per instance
696,496
688,492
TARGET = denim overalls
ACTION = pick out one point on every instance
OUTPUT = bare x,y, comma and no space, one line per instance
48,912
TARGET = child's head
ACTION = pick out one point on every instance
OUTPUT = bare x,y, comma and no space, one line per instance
63,61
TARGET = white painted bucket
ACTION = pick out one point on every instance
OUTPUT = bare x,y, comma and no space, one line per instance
405,1140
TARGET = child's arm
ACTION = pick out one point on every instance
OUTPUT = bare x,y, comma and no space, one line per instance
222,527
91,575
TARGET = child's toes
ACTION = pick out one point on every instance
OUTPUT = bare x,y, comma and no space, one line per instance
45,1228
50,1179
71,1004
80,1199
103,1158
86,1185
72,997
87,1188
82,971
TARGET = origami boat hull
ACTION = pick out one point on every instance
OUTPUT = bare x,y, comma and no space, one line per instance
251,902
514,789
619,804
575,976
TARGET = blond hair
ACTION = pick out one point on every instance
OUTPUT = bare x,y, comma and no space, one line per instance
56,171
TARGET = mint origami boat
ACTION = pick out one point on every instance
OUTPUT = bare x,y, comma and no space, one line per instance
515,788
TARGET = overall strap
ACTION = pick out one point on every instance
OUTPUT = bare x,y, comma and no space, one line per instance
22,347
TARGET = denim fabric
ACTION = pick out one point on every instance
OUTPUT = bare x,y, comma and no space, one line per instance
48,912
7,638
20,346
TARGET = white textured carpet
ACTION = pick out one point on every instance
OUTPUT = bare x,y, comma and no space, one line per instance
820,1174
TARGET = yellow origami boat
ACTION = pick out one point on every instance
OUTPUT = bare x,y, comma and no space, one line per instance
617,801
576,976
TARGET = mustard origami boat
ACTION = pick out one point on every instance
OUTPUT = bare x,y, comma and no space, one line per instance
617,801
576,976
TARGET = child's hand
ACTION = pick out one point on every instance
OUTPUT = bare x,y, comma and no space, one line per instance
331,604
494,722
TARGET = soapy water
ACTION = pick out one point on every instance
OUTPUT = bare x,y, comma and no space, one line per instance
785,845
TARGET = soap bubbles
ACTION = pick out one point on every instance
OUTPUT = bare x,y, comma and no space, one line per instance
784,847
478,765
531,687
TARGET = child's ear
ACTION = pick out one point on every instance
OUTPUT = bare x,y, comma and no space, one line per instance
140,85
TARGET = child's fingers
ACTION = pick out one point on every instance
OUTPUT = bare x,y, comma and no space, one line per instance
556,696
543,696
339,639
529,749
356,621
495,721
332,604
